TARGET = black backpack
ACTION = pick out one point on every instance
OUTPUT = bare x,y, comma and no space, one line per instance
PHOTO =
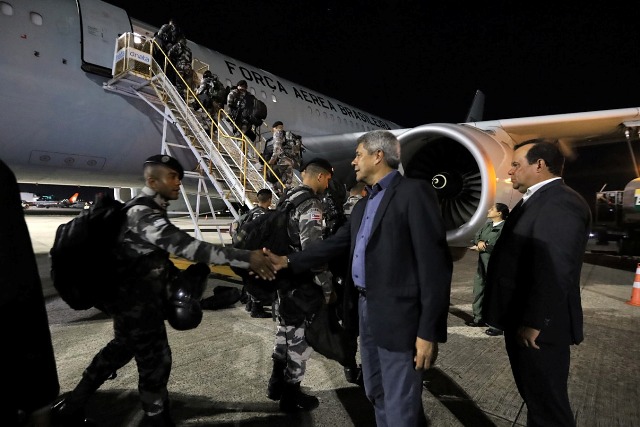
219,92
253,110
84,263
270,230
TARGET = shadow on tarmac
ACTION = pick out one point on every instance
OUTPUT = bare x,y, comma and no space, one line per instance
121,407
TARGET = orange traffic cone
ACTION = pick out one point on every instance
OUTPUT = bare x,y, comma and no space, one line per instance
635,293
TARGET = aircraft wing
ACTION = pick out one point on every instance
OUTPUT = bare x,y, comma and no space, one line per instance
595,127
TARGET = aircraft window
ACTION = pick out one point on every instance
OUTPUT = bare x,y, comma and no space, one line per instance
310,111
264,95
253,91
36,19
317,113
229,83
325,115
273,97
6,8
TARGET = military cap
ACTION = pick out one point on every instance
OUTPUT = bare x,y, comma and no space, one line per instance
168,161
277,123
324,164
242,83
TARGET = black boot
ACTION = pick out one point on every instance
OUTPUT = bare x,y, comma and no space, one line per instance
257,310
276,382
353,374
249,306
69,411
65,415
294,400
163,419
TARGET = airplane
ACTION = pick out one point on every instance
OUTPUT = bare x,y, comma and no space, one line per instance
62,123
49,201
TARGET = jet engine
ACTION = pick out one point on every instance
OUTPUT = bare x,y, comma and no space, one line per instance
468,169
466,166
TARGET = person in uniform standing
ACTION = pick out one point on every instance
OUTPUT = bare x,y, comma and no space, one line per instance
238,109
181,57
483,243
145,297
357,192
210,93
255,306
308,292
166,37
286,156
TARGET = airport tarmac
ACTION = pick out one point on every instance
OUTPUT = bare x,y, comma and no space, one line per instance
220,369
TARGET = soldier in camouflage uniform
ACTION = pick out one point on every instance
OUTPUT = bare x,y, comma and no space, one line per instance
211,93
287,154
255,306
357,192
181,57
238,110
299,302
141,303
166,37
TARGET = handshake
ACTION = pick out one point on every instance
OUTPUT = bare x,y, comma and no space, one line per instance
265,264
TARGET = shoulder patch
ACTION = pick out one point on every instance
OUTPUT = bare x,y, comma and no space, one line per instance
315,214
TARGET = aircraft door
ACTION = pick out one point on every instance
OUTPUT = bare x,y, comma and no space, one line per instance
101,23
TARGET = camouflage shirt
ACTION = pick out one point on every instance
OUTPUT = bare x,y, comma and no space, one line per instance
287,144
180,55
350,203
168,34
306,227
212,88
235,99
149,230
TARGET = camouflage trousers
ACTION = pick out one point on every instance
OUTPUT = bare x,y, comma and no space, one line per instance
292,347
284,169
139,333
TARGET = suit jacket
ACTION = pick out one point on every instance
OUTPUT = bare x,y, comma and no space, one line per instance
408,265
533,277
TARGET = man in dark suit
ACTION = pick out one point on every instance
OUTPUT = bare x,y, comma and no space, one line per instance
399,279
533,281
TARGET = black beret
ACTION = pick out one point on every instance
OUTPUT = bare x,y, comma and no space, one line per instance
324,164
242,83
277,123
168,161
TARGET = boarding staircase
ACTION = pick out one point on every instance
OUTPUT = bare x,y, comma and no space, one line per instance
228,163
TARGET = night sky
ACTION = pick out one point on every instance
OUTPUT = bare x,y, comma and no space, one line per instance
416,61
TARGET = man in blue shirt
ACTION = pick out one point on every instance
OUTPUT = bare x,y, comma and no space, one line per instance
400,279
